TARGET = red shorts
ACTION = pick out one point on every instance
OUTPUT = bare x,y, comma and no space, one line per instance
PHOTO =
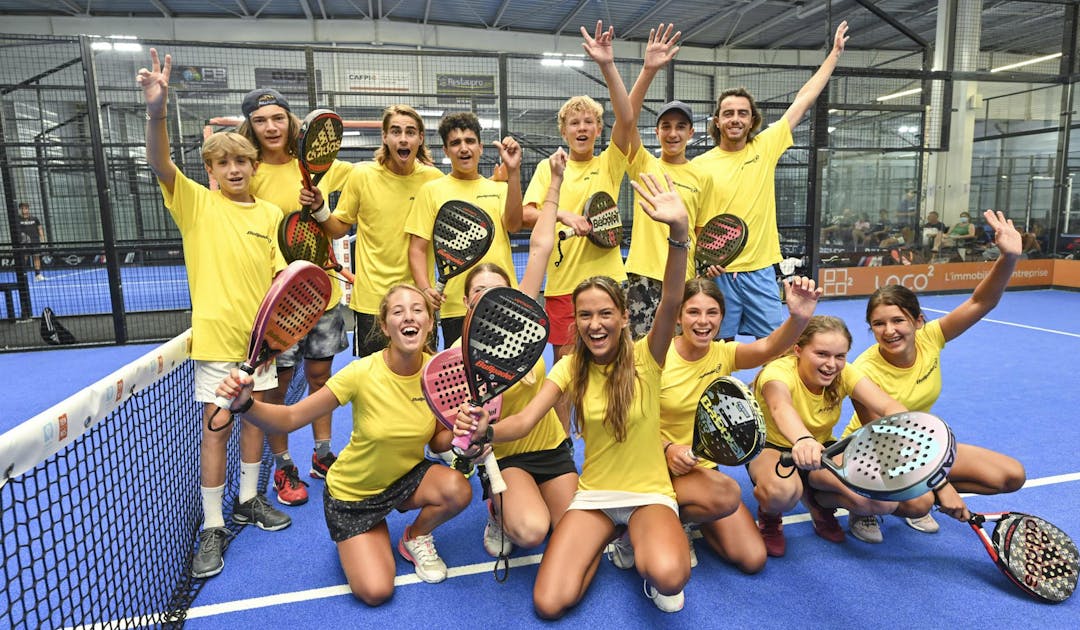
560,312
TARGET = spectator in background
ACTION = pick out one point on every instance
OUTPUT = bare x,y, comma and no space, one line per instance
31,233
931,228
907,211
959,235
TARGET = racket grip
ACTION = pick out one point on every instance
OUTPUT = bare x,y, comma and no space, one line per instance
495,478
786,460
462,442
225,404
565,234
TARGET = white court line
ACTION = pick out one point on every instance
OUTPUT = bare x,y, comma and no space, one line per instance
473,569
998,321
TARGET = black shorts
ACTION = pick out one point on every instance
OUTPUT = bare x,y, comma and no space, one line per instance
543,465
346,519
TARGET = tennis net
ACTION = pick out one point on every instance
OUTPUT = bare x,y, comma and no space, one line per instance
101,504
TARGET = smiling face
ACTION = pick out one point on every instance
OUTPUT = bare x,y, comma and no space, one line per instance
580,129
894,331
233,174
734,121
599,323
402,139
821,358
673,130
482,281
700,319
407,321
270,123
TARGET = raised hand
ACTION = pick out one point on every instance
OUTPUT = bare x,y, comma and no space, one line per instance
557,162
155,84
840,39
662,202
598,46
509,153
1006,236
802,296
661,47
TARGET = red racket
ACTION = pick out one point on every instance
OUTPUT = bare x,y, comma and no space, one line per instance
318,144
445,388
294,303
301,238
603,215
1033,553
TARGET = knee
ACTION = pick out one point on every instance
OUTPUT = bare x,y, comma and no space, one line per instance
724,497
548,607
1014,477
751,558
528,532
914,508
457,495
372,595
777,499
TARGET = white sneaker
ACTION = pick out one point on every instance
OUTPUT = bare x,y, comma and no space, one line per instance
666,603
621,552
495,541
421,552
689,529
39,277
865,528
925,524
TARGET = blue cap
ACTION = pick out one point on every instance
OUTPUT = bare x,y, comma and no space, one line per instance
261,97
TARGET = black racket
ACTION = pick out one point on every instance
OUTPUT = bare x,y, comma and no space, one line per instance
301,238
1033,553
605,219
461,235
894,458
294,303
729,428
318,144
720,241
503,336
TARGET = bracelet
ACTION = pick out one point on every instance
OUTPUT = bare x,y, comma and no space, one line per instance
246,406
805,437
667,446
680,244
322,214
486,438
149,117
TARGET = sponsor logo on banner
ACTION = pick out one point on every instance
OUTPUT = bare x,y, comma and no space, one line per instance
62,421
946,277
200,78
119,390
371,81
286,80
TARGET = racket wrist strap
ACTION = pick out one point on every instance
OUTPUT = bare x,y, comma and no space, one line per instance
485,438
246,406
680,244
805,437
322,214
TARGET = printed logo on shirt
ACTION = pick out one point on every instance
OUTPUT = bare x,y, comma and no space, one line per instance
262,236
752,160
417,399
719,369
933,368
490,196
590,175
692,189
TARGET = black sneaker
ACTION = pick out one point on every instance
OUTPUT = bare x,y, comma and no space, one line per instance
320,465
260,513
208,560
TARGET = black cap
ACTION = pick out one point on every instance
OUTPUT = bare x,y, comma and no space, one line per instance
675,106
260,97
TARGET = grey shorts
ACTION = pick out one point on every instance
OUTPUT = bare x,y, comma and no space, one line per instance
642,298
323,342
346,519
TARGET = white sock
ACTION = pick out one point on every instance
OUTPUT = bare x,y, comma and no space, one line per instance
249,480
211,502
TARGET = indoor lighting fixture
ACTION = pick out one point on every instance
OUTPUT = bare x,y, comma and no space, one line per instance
889,97
1021,64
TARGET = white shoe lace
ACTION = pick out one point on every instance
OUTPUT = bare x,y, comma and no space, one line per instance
423,549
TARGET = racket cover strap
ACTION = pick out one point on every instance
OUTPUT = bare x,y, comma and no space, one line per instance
322,214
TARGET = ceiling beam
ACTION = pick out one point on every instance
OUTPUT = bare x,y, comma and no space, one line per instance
307,9
391,9
707,24
660,6
498,14
160,6
570,17
427,11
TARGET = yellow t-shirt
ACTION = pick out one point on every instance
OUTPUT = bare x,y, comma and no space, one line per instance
280,184
637,463
489,196
231,254
377,201
916,387
581,258
817,418
648,239
744,184
391,425
681,387
548,432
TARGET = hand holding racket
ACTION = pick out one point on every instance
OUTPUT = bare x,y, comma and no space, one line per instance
729,428
461,236
719,242
894,458
301,238
604,223
445,388
294,303
1034,554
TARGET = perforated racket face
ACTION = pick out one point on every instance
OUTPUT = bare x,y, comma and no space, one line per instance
462,235
446,387
720,241
603,213
295,302
319,141
1040,558
503,337
899,457
729,428
300,238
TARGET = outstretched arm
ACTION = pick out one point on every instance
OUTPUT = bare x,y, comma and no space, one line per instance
510,154
599,48
155,86
276,418
658,52
542,240
809,92
989,290
664,205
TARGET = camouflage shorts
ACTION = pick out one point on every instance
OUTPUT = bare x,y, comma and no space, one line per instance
642,298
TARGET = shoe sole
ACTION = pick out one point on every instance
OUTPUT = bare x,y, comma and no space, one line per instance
243,520
293,503
315,474
416,569
207,574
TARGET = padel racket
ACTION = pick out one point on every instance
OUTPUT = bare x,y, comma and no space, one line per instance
894,458
720,241
503,336
445,388
296,300
1034,554
301,238
461,235
603,215
729,428
317,144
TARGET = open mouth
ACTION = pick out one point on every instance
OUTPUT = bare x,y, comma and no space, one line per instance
410,332
404,153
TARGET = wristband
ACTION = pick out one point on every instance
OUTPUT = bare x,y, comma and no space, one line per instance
486,438
244,407
805,437
322,214
149,117
680,244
